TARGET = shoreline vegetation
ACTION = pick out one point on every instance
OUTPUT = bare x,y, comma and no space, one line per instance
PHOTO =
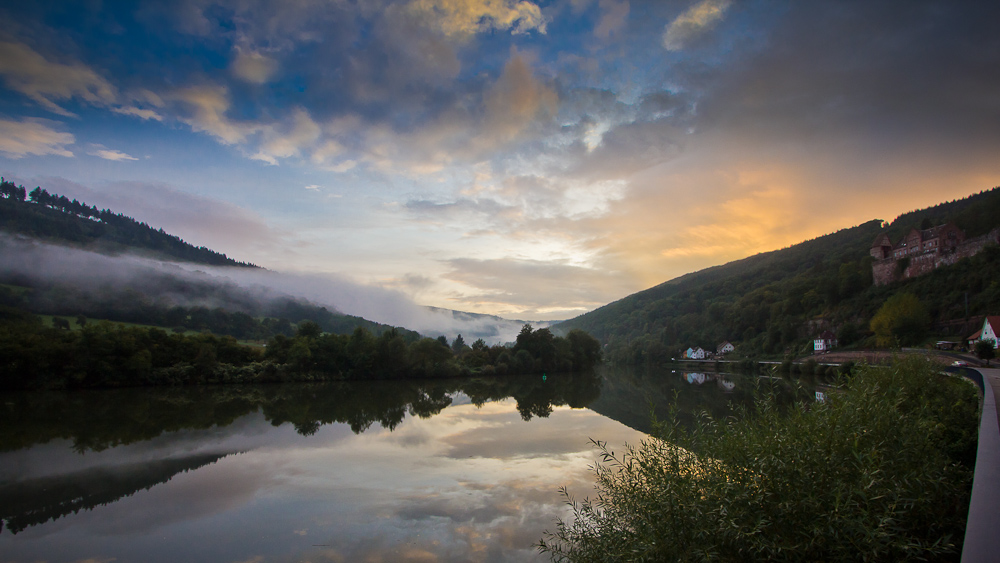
880,470
104,354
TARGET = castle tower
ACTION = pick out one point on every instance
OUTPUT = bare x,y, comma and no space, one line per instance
882,247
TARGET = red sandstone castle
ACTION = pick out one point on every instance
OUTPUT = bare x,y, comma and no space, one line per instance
921,251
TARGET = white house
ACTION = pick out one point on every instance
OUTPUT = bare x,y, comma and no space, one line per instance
694,354
824,342
991,325
725,348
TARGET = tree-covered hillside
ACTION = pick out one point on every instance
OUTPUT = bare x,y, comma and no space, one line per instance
144,295
775,302
53,217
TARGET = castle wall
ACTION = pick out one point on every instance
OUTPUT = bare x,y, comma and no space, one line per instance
886,271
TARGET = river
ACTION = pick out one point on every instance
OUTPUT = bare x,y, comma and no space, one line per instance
451,470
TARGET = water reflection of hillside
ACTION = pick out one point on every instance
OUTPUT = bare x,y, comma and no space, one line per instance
631,395
135,439
29,502
97,420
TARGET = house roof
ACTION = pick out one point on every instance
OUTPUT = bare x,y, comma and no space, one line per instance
994,321
882,240
976,335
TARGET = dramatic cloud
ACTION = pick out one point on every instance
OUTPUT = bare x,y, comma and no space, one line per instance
466,17
693,22
419,144
32,136
46,82
517,101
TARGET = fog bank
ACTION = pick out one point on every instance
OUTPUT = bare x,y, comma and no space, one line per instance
237,289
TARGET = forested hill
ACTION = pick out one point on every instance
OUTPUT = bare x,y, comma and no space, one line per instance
53,217
776,302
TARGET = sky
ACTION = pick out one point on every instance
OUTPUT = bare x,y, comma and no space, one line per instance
522,158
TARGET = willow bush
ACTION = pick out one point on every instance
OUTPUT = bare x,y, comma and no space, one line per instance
881,471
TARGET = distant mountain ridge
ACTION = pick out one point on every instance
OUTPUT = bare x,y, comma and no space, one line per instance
777,301
53,217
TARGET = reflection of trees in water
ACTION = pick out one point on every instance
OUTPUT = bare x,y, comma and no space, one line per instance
36,501
97,420
633,395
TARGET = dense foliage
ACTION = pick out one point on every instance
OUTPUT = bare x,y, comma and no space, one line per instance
51,216
775,303
109,355
901,321
880,472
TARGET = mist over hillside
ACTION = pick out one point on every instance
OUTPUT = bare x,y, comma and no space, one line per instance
30,262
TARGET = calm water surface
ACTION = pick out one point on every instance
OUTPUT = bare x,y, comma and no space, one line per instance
458,470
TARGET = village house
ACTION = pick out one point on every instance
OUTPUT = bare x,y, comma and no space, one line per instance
991,325
923,250
824,342
725,348
694,354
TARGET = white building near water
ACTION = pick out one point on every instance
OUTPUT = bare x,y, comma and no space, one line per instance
725,348
694,354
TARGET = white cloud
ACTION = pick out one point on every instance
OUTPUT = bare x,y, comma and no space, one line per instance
101,151
289,139
138,112
206,112
692,22
253,67
264,157
313,187
33,136
25,71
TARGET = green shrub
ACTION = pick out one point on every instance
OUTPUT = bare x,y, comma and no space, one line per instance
880,471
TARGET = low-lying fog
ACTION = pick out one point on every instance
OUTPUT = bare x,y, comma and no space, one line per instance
239,289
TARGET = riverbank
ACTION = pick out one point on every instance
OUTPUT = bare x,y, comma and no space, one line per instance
841,357
881,472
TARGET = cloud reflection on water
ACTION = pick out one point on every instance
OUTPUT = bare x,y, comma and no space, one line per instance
469,484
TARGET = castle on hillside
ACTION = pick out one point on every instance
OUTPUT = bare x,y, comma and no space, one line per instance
923,250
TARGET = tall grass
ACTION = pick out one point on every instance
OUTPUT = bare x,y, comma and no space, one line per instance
880,472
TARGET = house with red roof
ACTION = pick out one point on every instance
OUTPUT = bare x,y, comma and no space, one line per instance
991,326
